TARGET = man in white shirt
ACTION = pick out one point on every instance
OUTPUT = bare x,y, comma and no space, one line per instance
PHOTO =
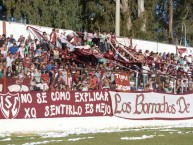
186,68
43,85
84,87
63,40
189,58
9,60
21,50
4,51
145,71
37,75
85,35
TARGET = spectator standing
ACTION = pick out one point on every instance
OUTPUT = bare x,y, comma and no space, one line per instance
45,36
145,72
45,77
4,51
85,86
63,40
1,70
68,80
27,62
11,40
9,60
9,73
43,85
53,37
2,40
85,36
103,42
13,49
21,50
37,76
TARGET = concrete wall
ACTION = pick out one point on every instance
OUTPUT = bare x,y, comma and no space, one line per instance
85,123
153,46
18,29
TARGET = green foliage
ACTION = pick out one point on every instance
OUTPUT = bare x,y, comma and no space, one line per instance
183,15
124,30
99,15
54,13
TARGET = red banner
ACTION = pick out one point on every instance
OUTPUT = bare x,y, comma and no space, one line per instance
122,81
16,85
55,104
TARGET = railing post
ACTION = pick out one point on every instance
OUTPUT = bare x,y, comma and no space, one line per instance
182,86
4,82
174,83
136,80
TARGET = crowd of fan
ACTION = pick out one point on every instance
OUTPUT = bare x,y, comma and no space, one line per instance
54,69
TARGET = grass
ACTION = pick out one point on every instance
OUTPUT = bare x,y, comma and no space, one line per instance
179,136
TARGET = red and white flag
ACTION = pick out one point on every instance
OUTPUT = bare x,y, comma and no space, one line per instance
180,50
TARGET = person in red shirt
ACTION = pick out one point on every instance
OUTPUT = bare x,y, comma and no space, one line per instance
53,36
45,56
27,62
94,82
45,77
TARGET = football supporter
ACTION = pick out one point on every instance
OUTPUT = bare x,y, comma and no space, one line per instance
54,68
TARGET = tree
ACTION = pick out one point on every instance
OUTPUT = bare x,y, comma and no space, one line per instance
54,13
141,11
159,20
183,21
170,27
101,15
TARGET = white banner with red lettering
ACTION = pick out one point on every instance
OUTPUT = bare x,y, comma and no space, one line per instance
143,106
122,81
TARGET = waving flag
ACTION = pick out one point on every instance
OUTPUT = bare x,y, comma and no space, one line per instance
180,50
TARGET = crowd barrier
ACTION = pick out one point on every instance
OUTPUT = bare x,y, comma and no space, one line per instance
134,106
119,81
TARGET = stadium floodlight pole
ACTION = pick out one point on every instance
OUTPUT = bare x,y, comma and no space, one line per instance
117,18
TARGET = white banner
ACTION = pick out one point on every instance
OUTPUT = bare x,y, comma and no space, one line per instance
152,106
153,46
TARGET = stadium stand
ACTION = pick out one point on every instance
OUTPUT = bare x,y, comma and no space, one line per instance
84,62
